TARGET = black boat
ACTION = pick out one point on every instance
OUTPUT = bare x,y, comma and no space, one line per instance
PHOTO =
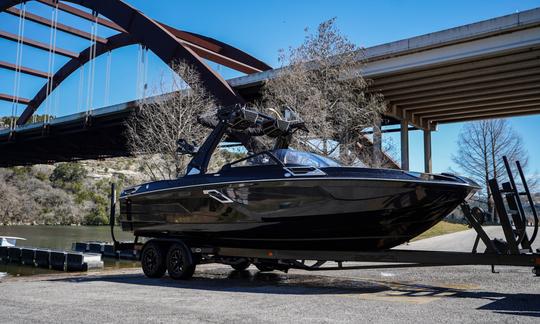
287,199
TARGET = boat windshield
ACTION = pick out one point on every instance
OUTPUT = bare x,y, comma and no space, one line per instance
298,158
287,157
263,158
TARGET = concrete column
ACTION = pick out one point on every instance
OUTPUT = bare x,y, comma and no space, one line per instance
377,144
427,151
404,145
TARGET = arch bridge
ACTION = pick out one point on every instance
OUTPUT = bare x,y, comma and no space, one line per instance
102,135
487,69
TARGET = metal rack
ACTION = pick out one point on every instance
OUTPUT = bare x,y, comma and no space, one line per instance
512,214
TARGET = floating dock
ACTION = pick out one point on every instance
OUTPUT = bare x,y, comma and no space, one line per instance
50,259
106,249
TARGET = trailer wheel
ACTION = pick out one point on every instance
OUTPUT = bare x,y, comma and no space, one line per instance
180,263
264,268
242,265
153,260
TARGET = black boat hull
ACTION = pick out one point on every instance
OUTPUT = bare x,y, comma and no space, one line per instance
329,213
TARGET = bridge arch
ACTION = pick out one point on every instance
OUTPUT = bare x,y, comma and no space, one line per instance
168,43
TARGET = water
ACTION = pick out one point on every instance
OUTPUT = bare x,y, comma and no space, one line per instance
59,238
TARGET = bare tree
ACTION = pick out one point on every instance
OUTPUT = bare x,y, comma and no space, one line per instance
10,207
482,145
154,131
321,81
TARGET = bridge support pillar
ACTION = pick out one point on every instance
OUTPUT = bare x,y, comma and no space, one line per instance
427,151
404,145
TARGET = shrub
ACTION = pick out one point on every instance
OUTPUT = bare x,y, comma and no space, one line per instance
68,176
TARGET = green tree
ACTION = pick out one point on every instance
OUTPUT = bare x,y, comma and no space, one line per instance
97,216
68,176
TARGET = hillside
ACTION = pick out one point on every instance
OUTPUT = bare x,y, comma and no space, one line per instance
63,194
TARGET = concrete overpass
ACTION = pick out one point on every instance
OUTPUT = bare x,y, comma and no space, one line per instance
488,69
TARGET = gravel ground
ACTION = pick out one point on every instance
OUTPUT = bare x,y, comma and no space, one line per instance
217,294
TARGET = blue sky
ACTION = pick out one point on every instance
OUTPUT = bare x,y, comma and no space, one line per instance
261,28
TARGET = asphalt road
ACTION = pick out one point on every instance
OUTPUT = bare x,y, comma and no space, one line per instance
219,295
461,241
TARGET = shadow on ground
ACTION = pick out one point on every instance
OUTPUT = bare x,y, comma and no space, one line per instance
511,304
248,282
307,284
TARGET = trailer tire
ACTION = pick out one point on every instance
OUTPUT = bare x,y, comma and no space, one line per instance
242,265
153,260
264,268
180,263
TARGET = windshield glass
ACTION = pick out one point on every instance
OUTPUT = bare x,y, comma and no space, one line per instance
298,158
255,160
286,156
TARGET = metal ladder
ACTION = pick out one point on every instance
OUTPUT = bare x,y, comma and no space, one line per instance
512,214
512,217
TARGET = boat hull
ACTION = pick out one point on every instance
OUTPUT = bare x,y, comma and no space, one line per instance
307,213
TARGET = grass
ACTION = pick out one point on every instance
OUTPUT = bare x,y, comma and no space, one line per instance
440,229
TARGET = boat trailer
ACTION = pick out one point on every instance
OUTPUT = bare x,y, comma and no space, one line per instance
515,250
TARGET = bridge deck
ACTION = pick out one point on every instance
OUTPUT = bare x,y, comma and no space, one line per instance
489,69
481,70
68,138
